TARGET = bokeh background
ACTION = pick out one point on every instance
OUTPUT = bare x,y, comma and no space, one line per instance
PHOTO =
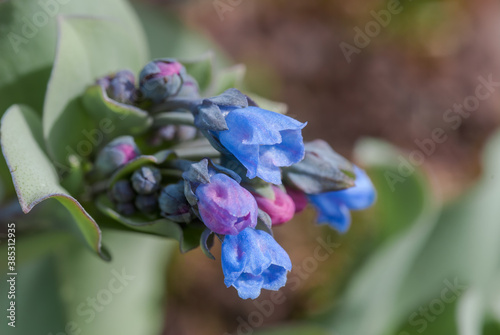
436,227
398,88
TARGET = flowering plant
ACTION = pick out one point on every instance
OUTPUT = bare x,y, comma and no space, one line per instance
179,159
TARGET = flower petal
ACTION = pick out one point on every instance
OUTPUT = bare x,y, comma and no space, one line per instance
359,197
332,211
248,286
225,207
274,278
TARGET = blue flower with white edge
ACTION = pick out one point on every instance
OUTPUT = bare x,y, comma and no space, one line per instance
334,207
252,261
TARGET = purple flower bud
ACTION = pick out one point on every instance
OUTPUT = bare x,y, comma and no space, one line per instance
146,180
122,87
122,191
147,204
117,153
281,209
119,86
161,79
226,207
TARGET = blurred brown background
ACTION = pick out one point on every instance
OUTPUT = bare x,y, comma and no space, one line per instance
398,88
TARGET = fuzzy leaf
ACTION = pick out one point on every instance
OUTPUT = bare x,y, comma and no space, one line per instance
128,120
84,53
189,237
34,177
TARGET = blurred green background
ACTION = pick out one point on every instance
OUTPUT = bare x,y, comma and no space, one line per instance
424,260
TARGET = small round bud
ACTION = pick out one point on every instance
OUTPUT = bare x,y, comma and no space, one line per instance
119,86
146,180
117,153
189,89
173,201
125,208
122,87
171,133
122,191
147,204
161,79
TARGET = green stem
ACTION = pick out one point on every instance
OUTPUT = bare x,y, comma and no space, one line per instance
177,104
197,153
173,118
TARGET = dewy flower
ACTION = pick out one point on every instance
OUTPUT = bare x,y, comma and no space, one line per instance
226,207
161,79
117,153
253,260
281,209
334,207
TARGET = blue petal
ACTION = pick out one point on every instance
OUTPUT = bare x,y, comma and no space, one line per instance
274,278
361,196
250,126
275,252
276,121
233,261
288,152
332,211
253,260
241,254
249,286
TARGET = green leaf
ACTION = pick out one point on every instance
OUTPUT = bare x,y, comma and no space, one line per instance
128,120
34,177
401,199
37,297
188,236
28,50
128,293
201,68
87,49
471,310
371,296
412,268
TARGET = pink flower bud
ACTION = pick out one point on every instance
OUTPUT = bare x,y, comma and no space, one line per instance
281,209
298,197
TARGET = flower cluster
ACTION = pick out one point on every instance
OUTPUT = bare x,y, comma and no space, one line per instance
226,165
